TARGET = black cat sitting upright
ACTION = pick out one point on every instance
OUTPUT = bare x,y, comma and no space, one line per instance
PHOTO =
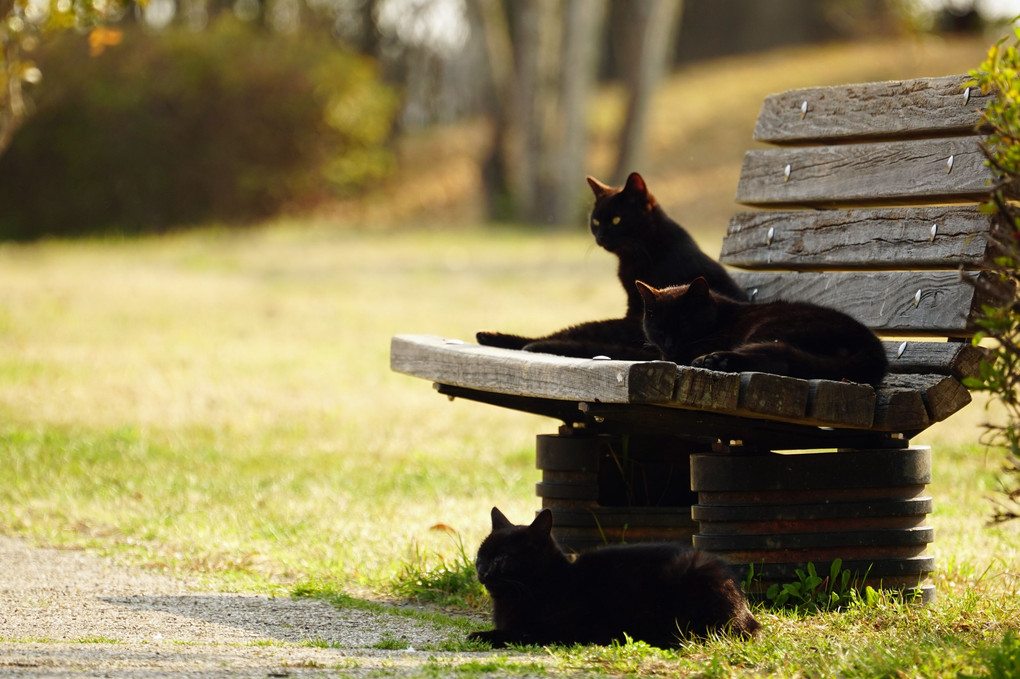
657,593
692,325
651,247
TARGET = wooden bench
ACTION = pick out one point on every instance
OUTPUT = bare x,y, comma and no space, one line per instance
872,196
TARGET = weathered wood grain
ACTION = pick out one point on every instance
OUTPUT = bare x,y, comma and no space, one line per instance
935,303
702,389
841,403
882,173
818,403
788,474
530,374
766,395
942,395
903,108
959,359
900,409
903,402
944,237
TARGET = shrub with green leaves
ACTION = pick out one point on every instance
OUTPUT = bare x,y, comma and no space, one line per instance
1000,320
177,128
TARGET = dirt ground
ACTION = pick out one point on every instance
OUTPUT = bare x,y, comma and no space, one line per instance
72,614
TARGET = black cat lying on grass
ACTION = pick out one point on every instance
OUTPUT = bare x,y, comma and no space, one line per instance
650,247
692,325
657,593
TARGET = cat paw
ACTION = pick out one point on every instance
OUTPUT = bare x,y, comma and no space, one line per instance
722,361
491,637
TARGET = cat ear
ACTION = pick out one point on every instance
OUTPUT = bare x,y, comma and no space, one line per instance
648,293
639,191
598,188
499,522
699,286
636,184
542,525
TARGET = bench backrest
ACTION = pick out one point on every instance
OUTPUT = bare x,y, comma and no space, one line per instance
885,179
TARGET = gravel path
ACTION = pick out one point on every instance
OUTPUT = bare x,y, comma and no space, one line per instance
68,613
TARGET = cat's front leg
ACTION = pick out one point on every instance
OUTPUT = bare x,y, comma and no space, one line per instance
498,638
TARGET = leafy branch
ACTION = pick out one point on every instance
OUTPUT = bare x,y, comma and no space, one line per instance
22,25
999,321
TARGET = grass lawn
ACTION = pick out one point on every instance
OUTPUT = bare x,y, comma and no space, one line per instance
220,404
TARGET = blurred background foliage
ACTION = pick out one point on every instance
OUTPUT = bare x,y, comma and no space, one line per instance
181,127
144,117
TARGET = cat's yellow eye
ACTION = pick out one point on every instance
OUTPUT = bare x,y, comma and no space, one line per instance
595,222
616,220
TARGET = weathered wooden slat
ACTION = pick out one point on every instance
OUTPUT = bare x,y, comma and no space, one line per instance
883,173
942,395
934,303
903,108
920,535
809,511
900,409
809,472
959,359
841,403
818,403
697,388
507,371
902,403
944,237
768,395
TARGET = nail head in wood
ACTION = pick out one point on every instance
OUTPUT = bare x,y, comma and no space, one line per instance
966,96
901,349
917,298
770,235
803,110
949,165
786,173
934,230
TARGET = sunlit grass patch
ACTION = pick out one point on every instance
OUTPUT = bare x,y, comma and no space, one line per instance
442,580
493,666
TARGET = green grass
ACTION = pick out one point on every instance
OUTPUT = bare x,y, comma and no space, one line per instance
219,405
223,404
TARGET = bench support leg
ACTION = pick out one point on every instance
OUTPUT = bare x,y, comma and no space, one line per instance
867,508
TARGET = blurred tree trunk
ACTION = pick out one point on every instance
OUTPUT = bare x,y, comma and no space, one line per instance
12,105
644,52
492,20
542,61
525,117
584,20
